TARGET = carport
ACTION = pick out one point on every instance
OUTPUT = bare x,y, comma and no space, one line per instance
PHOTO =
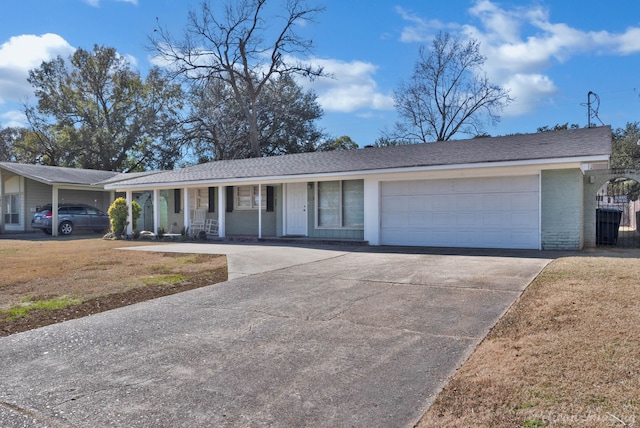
25,187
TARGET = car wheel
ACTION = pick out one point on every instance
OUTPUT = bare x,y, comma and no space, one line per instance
47,231
65,228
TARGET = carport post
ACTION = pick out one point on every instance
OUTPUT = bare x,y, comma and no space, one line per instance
129,196
54,210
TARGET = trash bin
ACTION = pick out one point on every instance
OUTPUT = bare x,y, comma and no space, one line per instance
607,225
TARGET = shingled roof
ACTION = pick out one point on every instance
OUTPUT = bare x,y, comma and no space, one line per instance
59,175
574,143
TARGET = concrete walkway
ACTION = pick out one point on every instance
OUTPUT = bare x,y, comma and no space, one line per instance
250,259
323,337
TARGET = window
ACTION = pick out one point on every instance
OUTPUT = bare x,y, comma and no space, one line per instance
12,212
340,204
76,211
329,204
199,198
246,198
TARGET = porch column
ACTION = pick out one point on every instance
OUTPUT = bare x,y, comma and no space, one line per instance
130,225
156,210
222,210
186,210
54,210
372,211
259,211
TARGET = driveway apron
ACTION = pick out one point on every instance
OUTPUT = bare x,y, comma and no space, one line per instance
325,337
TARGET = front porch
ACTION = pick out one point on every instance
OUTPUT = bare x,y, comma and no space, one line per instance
321,212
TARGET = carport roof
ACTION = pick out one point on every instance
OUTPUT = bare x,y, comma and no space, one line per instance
573,143
70,176
59,175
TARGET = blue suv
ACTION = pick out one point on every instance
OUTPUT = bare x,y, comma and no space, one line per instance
70,218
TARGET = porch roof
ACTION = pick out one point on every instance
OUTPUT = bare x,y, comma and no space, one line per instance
586,144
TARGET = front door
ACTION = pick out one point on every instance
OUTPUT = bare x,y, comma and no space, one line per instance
296,209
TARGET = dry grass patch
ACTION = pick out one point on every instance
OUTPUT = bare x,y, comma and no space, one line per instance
567,354
91,276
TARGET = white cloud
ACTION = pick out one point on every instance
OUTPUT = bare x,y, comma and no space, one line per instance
530,91
13,118
22,53
420,30
351,87
523,43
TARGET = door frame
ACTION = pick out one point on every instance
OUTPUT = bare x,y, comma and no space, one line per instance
297,190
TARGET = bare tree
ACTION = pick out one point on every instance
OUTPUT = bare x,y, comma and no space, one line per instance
245,47
447,93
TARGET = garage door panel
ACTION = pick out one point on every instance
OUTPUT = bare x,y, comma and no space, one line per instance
443,202
467,202
440,219
493,219
395,219
419,220
523,201
523,218
468,219
494,201
483,212
418,203
395,203
396,188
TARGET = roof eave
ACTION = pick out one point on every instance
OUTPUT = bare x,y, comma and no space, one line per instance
571,161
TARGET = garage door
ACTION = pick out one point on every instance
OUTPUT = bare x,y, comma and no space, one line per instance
474,213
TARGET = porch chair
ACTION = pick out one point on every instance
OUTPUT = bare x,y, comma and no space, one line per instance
197,221
211,227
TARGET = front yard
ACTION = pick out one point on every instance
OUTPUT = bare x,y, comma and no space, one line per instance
567,354
49,281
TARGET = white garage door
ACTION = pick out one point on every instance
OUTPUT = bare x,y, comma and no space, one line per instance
474,213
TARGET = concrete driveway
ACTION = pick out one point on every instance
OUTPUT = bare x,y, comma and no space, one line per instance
326,337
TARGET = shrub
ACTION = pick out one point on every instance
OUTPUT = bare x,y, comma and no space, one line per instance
118,213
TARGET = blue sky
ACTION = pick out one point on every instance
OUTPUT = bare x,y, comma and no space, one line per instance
550,54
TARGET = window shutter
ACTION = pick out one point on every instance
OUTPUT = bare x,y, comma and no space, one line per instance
229,199
176,201
270,199
212,200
